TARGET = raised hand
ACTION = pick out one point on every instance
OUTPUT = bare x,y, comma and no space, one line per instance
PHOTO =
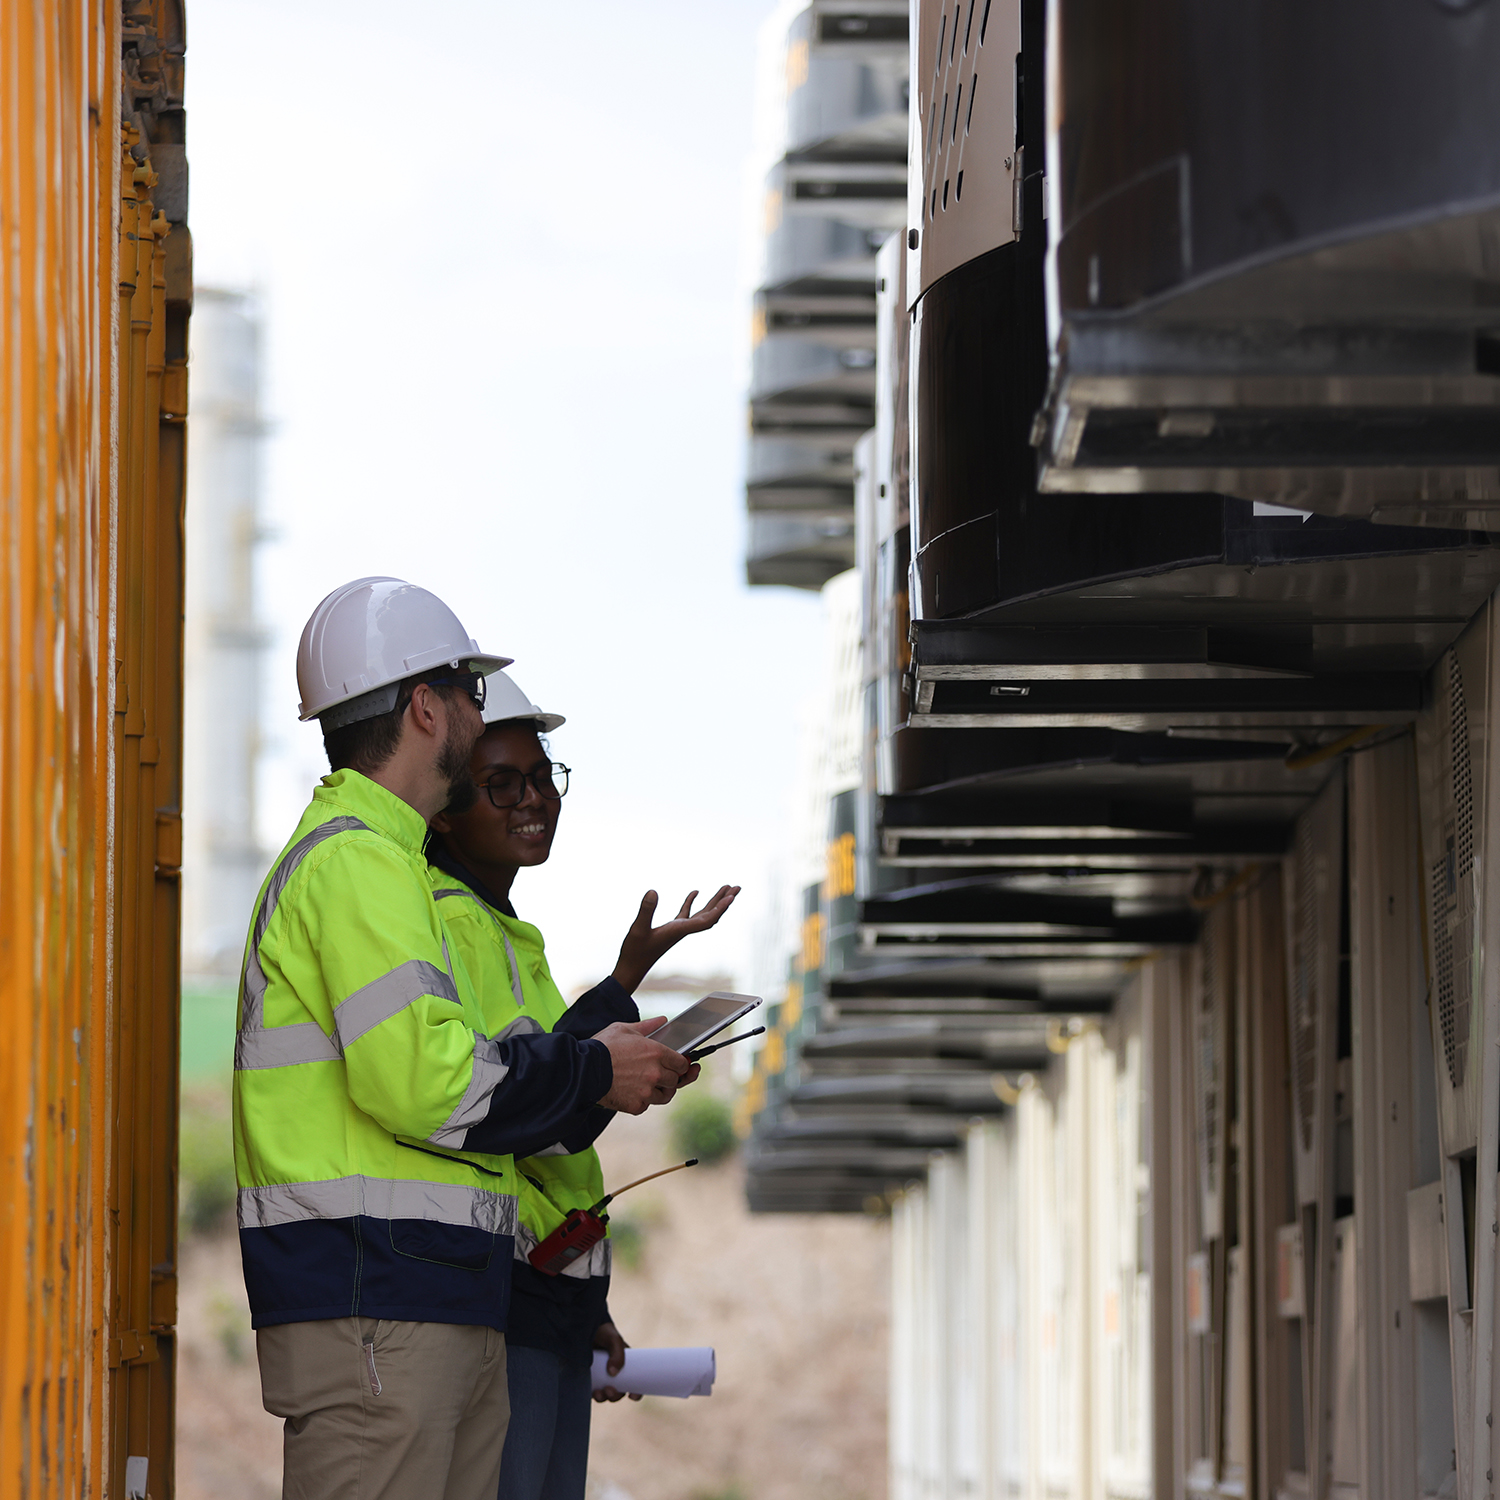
645,944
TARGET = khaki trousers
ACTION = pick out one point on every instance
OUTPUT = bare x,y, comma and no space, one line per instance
378,1410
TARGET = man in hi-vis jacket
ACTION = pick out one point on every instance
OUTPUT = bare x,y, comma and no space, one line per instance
375,1123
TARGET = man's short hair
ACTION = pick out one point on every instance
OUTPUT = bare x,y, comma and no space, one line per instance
367,744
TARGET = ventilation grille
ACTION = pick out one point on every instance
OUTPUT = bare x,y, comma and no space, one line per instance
962,185
1453,885
1210,1046
1307,978
950,105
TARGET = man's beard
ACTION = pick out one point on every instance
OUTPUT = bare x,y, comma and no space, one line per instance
453,763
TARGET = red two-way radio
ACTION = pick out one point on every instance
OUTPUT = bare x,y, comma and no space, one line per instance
574,1237
584,1228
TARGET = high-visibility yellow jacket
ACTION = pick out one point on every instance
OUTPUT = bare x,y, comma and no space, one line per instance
375,1108
507,964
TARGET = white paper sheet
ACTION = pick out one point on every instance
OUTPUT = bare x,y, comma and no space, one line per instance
660,1372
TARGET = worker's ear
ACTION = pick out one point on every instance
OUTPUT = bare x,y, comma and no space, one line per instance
440,823
427,711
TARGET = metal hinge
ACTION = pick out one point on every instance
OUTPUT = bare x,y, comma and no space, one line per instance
168,843
174,397
132,1348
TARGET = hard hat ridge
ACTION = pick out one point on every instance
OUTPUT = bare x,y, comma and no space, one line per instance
369,634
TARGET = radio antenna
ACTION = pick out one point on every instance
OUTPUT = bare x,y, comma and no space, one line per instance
609,1197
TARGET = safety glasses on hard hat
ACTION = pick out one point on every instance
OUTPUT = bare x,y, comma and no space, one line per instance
508,788
471,684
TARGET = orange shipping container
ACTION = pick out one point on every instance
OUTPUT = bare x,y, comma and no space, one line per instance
95,290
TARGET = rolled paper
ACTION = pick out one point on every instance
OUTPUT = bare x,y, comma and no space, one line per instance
659,1372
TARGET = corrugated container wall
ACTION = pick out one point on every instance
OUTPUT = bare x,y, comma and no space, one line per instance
1160,1015
95,289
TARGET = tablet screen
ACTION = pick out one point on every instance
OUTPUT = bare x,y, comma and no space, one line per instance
699,1022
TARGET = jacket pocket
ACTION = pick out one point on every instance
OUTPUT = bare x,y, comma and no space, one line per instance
457,1245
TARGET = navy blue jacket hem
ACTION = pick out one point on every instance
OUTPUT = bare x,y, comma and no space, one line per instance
414,1313
408,1270
558,1314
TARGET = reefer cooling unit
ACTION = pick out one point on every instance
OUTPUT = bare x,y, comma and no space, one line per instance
1452,756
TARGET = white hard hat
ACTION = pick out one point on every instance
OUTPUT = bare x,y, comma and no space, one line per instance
368,635
504,700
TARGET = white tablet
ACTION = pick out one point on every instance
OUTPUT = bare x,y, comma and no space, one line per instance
699,1022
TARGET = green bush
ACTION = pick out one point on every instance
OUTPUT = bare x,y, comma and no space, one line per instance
702,1126
627,1240
230,1327
205,1160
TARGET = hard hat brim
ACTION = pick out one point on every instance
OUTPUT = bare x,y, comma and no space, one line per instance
477,661
549,722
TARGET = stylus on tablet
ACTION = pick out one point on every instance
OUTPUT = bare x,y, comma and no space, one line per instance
698,1052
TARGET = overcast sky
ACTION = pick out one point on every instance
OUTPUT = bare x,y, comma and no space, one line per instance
501,253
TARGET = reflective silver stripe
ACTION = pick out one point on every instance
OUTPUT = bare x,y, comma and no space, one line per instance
598,1262
510,953
379,1198
284,1046
555,1149
252,977
387,996
489,1072
515,971
475,1104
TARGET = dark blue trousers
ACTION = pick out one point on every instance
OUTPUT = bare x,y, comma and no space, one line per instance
547,1444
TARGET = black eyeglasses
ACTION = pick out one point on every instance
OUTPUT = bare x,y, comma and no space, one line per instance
508,788
471,684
